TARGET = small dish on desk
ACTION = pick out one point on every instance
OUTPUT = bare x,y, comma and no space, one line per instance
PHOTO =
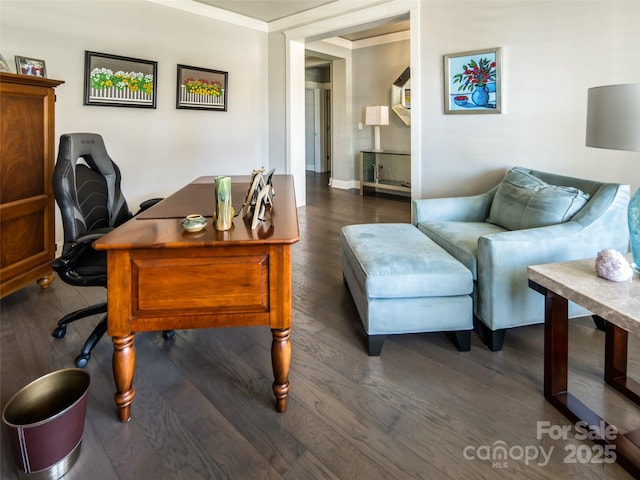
194,222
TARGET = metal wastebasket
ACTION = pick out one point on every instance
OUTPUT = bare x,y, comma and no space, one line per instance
46,422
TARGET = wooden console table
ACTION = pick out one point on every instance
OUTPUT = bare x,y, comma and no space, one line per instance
161,277
618,304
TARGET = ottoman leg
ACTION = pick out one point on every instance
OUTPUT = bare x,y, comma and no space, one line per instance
461,339
375,343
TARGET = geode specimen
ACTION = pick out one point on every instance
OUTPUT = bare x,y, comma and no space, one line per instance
612,265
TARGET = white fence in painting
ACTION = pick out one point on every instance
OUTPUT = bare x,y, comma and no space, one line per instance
187,98
123,95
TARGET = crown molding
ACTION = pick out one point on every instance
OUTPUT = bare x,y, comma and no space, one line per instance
328,11
201,9
369,16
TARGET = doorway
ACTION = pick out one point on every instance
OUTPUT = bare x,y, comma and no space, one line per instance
317,116
306,40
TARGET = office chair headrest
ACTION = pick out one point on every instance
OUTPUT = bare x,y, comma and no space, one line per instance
90,147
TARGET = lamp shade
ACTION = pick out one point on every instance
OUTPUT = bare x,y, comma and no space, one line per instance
378,115
613,117
613,121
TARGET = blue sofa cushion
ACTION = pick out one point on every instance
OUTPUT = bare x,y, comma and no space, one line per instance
525,201
460,239
395,260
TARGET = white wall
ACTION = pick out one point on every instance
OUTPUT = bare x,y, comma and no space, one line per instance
158,150
552,53
374,71
277,102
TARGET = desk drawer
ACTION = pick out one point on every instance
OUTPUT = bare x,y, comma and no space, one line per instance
206,283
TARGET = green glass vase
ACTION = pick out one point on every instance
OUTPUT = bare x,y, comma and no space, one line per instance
224,208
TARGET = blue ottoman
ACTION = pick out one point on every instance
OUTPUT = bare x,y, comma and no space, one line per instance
403,282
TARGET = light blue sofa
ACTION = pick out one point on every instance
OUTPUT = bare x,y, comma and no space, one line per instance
530,218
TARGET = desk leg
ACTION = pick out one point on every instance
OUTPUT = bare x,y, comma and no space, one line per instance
281,360
556,345
124,365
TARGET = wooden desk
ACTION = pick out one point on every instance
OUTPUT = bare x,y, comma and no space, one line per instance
618,304
163,278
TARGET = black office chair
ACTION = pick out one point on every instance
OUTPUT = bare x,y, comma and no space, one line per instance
86,185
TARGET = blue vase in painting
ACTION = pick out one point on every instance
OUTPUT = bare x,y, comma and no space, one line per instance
480,96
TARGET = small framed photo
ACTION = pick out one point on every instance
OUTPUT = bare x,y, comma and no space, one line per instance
255,184
116,81
30,66
472,82
201,88
4,66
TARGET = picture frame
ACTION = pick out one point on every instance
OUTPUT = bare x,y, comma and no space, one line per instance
30,66
255,186
473,82
268,180
260,208
117,81
4,66
201,88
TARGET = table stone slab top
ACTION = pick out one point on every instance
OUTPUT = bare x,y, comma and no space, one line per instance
616,302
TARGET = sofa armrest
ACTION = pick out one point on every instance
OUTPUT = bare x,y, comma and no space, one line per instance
453,209
504,299
560,242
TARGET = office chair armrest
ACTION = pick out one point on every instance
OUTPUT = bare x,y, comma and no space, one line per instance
70,257
148,204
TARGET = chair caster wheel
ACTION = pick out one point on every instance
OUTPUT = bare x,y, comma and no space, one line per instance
82,360
60,331
168,334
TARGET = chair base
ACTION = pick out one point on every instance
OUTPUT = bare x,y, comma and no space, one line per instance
85,354
98,332
61,329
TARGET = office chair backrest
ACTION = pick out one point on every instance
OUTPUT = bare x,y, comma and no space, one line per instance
88,194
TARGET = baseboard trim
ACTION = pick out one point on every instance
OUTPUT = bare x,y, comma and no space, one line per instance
345,184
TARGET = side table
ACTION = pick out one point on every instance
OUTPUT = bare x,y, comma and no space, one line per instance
618,304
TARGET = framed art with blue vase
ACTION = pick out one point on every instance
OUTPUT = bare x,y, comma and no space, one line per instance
472,82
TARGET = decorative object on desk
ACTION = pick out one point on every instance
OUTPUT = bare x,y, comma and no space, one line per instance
261,206
252,191
477,72
611,265
201,88
259,195
30,66
268,180
194,222
4,66
376,116
401,96
224,209
613,122
115,81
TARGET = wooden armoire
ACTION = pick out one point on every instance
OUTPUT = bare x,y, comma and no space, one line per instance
27,140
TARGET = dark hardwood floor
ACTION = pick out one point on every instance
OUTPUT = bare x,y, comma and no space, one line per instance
204,405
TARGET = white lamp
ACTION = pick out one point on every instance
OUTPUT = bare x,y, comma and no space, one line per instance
613,121
376,116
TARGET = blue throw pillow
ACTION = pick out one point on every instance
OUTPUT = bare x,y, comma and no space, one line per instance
525,201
